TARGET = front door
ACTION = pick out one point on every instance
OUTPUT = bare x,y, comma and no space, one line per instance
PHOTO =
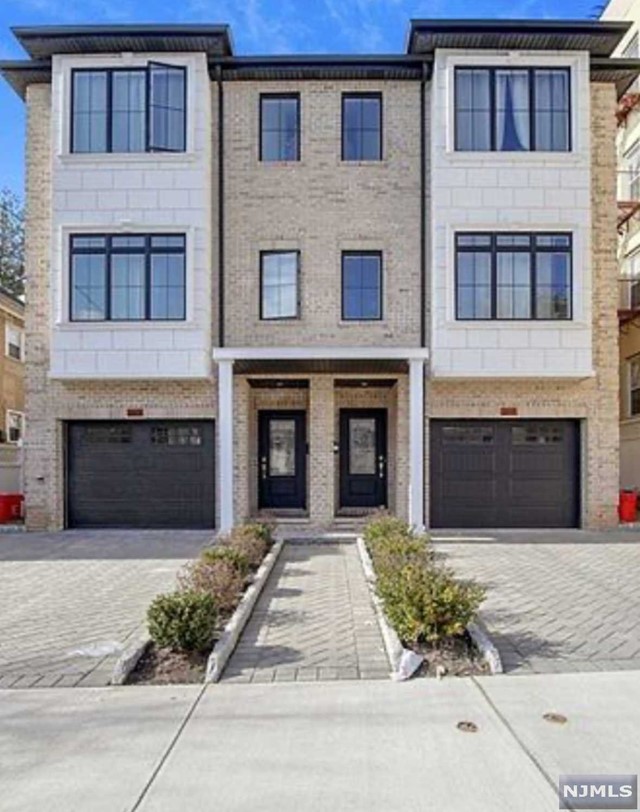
282,460
363,458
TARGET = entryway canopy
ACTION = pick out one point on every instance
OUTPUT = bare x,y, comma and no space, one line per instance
247,360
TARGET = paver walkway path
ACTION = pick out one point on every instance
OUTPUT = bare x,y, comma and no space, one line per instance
70,602
558,602
313,621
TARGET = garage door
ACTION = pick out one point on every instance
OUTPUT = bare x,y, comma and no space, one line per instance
141,474
511,473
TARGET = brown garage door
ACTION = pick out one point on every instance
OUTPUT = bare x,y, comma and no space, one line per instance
514,473
149,474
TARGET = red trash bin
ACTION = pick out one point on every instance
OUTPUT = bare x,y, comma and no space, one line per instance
10,507
628,506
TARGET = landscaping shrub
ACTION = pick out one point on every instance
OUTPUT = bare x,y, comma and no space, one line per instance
183,620
224,552
426,604
218,576
392,543
383,525
252,541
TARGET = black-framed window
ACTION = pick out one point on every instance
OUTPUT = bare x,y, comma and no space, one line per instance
513,276
361,126
634,385
279,127
129,109
279,274
361,285
138,277
512,109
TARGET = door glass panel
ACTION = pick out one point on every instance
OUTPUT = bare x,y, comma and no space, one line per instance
282,447
362,445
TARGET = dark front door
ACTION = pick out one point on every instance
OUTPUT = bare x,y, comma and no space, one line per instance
504,473
363,458
148,474
282,460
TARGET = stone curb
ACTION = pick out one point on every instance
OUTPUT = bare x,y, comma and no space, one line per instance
392,644
394,648
223,649
485,645
128,659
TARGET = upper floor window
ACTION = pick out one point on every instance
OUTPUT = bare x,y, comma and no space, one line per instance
14,342
15,426
513,276
361,127
361,286
512,109
632,48
279,127
127,277
634,386
129,109
279,271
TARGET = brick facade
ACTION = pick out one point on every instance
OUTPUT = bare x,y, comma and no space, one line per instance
321,208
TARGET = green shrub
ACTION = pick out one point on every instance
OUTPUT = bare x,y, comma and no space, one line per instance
184,620
252,541
217,576
224,552
392,543
427,603
383,525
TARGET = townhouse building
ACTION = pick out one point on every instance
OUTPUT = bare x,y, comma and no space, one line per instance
310,287
628,194
12,369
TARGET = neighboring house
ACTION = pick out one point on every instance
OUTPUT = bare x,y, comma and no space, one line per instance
12,369
309,287
628,152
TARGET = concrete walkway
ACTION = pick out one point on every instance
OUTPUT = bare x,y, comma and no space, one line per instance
557,601
358,746
69,602
313,621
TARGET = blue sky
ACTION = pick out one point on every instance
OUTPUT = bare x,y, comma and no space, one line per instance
259,27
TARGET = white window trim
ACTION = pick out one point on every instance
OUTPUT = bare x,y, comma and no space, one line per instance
7,336
11,413
449,59
63,65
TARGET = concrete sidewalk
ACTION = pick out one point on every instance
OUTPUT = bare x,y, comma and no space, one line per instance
351,746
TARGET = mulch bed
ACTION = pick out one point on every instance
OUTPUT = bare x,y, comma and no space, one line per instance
456,657
162,666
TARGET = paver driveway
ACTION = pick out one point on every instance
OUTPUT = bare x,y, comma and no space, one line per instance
558,601
314,621
69,602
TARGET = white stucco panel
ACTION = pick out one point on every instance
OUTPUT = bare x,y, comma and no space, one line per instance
122,193
509,191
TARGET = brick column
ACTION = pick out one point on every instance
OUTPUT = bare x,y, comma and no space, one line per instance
320,460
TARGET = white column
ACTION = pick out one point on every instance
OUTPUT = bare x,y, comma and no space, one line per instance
225,434
416,444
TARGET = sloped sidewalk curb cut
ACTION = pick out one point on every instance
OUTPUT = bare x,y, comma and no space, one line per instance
223,649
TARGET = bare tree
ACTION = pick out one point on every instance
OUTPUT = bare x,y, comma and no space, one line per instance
11,242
